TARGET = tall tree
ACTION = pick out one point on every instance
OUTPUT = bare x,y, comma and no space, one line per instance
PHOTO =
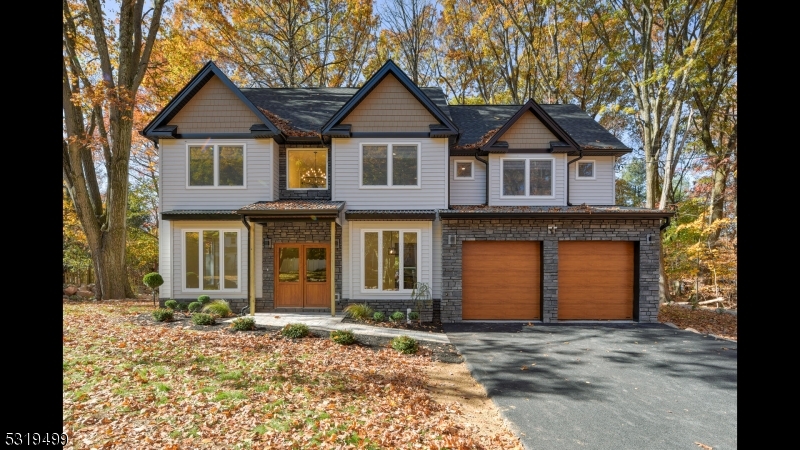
410,27
103,64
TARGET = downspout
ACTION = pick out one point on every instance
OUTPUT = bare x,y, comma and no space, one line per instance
580,155
486,163
664,225
250,269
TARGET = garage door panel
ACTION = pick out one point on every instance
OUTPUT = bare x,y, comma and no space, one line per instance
595,280
501,280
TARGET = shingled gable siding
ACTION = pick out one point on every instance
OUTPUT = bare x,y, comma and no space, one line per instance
282,232
175,195
298,194
236,298
468,192
496,186
599,191
528,132
536,230
433,183
390,107
214,109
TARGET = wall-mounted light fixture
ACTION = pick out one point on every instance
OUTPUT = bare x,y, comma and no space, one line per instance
267,242
551,229
451,239
649,238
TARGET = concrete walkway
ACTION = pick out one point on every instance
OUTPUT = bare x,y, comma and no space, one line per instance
326,322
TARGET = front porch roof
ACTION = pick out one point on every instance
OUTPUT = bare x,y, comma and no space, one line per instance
389,214
552,212
292,209
200,214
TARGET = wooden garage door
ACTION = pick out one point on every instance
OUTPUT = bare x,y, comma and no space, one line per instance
501,280
595,280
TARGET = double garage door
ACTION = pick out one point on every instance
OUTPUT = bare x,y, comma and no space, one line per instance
502,280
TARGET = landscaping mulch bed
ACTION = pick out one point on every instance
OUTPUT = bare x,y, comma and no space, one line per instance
438,352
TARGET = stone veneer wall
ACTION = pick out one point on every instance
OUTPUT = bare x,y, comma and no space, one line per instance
312,194
567,230
301,232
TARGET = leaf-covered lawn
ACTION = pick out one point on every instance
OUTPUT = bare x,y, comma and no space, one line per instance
704,321
134,386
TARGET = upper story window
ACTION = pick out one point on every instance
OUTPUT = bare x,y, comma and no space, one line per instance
585,170
390,165
307,168
220,165
462,170
527,177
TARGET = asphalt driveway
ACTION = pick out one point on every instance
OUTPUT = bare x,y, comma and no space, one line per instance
606,386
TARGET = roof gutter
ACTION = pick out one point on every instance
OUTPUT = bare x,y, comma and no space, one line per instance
580,155
485,162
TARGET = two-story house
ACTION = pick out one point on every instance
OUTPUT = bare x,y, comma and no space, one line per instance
315,198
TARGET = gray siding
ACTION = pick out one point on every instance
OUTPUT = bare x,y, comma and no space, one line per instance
431,194
165,257
495,179
425,274
390,107
176,195
214,109
178,256
599,191
276,186
468,192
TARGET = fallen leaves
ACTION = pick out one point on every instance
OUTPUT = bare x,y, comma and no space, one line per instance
127,385
703,446
703,321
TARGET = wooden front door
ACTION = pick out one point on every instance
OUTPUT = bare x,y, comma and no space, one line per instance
302,276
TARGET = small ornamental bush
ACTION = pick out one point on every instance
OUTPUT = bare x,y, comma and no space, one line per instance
162,314
153,280
219,308
202,319
405,344
195,306
359,311
414,315
344,337
295,330
243,324
182,307
204,299
171,304
397,316
379,316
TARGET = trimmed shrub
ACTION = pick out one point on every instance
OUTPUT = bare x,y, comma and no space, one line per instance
171,304
405,344
414,315
182,307
195,306
397,316
379,316
295,330
243,324
358,311
344,337
219,308
162,314
153,280
202,319
204,299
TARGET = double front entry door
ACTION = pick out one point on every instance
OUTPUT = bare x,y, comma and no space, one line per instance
302,276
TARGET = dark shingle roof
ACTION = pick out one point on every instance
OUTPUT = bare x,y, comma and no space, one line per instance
308,109
474,121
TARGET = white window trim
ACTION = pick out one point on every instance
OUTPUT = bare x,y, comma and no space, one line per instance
379,291
318,150
389,180
594,169
216,147
528,176
455,169
222,232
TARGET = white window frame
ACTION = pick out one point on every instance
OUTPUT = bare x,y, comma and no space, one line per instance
239,252
528,177
455,169
327,175
389,163
216,147
584,161
379,290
